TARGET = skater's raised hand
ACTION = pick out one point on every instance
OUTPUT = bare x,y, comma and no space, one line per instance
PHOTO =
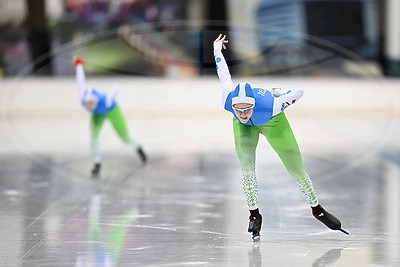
80,76
220,42
78,61
222,67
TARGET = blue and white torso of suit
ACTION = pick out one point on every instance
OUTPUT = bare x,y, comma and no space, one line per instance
266,103
263,108
104,104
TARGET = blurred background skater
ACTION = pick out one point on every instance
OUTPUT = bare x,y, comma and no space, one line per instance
256,111
103,106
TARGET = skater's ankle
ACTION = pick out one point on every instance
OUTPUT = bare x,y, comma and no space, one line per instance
317,209
254,212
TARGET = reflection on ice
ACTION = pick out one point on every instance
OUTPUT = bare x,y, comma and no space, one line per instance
105,241
328,258
255,259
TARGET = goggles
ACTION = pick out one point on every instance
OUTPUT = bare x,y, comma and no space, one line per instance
239,111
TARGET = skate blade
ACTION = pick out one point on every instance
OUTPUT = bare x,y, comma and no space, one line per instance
344,231
256,238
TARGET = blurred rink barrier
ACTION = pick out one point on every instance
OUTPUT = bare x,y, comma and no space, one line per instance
354,117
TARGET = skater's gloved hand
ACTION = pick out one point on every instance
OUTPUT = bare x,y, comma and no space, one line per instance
276,92
220,42
78,61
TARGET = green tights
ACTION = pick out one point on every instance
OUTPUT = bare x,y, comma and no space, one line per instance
117,121
281,138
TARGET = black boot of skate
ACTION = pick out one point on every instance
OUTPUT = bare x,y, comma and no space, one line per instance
255,226
328,219
96,170
141,154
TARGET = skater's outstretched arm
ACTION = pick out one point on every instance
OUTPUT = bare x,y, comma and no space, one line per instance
112,94
285,100
222,67
80,76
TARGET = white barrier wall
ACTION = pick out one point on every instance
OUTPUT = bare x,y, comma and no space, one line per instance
170,115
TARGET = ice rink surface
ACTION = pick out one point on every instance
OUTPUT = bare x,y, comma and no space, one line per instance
186,207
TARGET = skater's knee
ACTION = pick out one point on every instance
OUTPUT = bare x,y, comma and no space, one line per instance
247,161
125,138
126,141
247,168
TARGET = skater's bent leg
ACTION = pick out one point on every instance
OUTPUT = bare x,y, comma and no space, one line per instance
292,160
250,188
306,187
246,139
282,140
119,124
96,150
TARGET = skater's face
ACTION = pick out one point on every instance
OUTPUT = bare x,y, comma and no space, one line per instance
243,111
91,104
